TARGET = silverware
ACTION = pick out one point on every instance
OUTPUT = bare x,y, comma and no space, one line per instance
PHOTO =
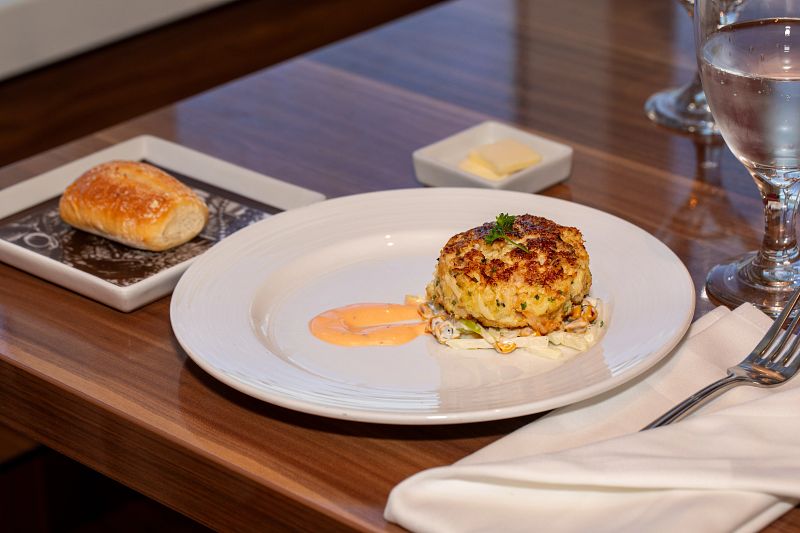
772,362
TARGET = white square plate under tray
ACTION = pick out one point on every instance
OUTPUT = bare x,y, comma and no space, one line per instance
35,239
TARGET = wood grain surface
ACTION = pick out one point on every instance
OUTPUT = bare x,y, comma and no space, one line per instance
102,87
116,392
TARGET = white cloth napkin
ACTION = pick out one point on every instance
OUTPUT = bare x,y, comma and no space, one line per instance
733,466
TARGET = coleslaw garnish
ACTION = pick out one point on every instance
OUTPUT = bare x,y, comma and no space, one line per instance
582,329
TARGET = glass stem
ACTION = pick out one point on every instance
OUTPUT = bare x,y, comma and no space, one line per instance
693,98
776,261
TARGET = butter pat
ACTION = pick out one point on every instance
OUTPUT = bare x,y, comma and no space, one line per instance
469,165
504,157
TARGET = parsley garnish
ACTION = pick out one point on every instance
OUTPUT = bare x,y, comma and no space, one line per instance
502,225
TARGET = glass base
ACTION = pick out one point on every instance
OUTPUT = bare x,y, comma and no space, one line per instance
677,110
733,284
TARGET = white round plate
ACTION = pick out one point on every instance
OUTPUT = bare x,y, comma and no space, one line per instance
241,311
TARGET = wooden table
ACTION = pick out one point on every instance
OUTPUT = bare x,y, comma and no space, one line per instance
114,390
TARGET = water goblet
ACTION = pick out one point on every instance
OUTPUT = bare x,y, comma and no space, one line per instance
683,109
750,69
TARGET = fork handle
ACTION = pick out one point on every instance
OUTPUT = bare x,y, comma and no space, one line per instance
697,400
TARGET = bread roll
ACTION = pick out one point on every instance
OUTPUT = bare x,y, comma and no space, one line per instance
135,204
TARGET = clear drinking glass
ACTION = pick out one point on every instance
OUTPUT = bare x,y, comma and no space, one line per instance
684,109
750,68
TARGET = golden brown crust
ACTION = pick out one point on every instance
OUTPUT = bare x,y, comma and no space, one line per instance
134,203
501,285
541,236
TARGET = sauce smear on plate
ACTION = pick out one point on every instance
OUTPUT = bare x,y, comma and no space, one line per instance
369,324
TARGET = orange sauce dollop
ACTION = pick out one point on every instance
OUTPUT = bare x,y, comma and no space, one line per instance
369,324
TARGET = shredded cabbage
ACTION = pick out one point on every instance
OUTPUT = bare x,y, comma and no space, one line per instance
550,346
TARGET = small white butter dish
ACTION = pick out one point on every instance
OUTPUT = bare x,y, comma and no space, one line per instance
438,164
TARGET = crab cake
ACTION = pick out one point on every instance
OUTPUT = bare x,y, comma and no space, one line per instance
499,284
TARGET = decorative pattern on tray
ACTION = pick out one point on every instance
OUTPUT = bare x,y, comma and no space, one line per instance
41,230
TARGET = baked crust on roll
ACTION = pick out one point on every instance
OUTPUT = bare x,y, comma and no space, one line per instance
134,203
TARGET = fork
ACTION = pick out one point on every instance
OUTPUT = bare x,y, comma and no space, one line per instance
772,362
